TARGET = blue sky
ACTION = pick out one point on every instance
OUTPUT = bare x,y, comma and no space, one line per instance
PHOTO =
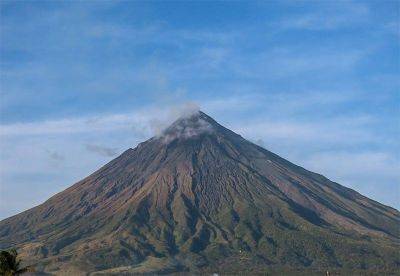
315,82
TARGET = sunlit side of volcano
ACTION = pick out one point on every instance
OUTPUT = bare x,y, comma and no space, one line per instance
200,198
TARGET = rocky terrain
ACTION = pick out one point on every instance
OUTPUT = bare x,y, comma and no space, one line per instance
200,198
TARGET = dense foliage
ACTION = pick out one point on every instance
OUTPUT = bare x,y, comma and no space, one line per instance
10,264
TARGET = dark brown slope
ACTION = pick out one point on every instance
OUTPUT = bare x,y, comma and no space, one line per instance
199,198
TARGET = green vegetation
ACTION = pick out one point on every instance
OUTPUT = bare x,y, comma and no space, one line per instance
10,264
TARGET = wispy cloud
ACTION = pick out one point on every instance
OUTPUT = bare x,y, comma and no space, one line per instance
102,150
368,172
307,143
103,123
313,81
56,156
329,16
322,133
372,165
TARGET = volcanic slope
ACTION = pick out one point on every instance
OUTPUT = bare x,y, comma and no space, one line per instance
200,198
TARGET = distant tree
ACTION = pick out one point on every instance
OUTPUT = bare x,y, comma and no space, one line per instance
10,264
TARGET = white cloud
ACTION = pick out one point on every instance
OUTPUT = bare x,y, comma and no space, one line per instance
338,131
329,16
371,173
102,123
29,149
251,63
352,165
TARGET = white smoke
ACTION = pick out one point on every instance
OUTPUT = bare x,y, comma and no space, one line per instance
187,130
185,110
170,115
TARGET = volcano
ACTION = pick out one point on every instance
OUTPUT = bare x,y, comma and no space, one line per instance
199,198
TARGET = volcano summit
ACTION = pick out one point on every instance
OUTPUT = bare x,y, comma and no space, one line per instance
200,198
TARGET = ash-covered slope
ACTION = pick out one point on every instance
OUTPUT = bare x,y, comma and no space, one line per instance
202,198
